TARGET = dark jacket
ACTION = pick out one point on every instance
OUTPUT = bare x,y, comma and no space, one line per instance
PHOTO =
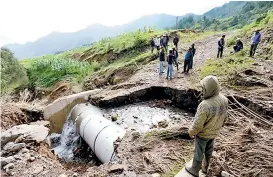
170,59
161,41
152,42
221,43
188,55
175,53
193,51
161,56
240,44
175,40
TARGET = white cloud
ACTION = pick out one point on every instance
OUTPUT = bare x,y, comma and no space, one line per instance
28,20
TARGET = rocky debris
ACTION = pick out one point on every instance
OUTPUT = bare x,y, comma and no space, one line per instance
19,139
37,169
226,174
36,133
75,175
13,147
63,175
156,175
153,126
271,77
116,168
7,160
163,124
114,117
24,150
31,159
8,167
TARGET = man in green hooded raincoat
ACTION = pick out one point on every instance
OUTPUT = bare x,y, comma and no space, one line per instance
209,119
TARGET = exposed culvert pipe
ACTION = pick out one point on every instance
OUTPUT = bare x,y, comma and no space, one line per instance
98,132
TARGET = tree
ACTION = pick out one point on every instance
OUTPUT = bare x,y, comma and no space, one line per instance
13,74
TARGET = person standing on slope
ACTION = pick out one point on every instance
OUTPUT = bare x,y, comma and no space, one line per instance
157,43
152,43
187,61
221,44
175,53
175,41
193,50
256,38
170,60
210,117
161,59
165,41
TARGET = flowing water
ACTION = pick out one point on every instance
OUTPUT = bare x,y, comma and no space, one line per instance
69,146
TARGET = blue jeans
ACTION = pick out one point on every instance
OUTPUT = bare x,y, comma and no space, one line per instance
170,71
161,67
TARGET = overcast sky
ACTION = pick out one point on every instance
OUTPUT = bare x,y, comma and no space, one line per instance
22,21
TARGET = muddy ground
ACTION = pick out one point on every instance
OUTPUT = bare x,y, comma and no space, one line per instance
244,147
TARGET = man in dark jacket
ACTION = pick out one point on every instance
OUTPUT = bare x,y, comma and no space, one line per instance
165,41
161,59
175,41
152,43
187,60
255,40
175,53
193,53
239,45
170,60
221,44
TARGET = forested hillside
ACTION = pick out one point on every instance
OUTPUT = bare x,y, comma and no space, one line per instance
230,16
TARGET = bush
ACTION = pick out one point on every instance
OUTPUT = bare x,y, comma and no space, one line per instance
13,74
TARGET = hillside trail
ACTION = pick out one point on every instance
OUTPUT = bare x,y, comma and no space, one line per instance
149,74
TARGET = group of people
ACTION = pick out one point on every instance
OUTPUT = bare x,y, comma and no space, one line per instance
255,40
161,43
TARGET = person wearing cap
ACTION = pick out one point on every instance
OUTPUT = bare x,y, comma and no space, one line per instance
175,53
170,60
256,38
239,45
221,44
161,59
193,50
187,60
210,117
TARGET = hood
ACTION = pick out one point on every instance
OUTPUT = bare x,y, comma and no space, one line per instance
210,86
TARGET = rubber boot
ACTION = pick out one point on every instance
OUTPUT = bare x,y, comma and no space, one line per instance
205,164
194,168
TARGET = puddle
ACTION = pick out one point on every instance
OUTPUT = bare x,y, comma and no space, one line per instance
144,116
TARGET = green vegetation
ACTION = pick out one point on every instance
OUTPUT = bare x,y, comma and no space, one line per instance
46,71
233,15
226,66
13,73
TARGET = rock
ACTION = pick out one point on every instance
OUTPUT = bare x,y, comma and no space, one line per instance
225,174
18,157
116,168
185,114
38,169
41,122
135,121
3,152
8,167
13,147
135,135
267,71
7,160
31,133
156,175
19,139
27,156
163,124
153,126
31,159
114,117
63,175
75,175
135,117
24,150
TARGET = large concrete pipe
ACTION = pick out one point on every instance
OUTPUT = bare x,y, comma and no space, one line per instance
98,132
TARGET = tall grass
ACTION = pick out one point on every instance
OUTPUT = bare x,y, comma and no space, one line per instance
49,70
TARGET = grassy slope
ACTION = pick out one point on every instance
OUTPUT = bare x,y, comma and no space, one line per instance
229,65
